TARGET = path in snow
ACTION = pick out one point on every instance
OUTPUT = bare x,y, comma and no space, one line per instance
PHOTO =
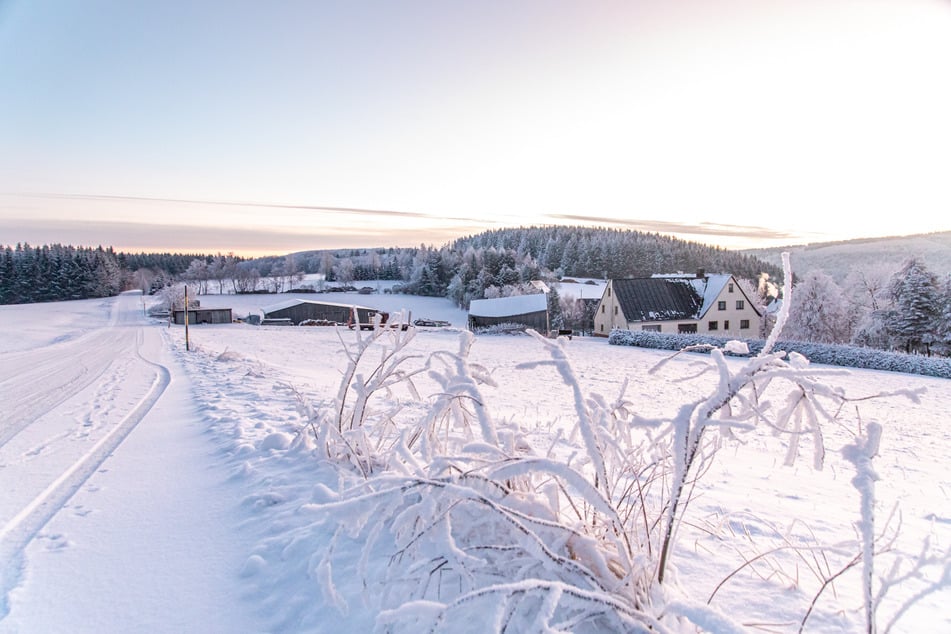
111,518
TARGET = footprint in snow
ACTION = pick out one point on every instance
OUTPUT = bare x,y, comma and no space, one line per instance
56,541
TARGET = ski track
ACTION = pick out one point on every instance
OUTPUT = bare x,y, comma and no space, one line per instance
81,399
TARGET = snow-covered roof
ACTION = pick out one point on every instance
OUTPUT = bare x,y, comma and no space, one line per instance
664,297
710,288
506,306
288,303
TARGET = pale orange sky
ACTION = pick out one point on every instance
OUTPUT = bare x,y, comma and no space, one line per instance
248,127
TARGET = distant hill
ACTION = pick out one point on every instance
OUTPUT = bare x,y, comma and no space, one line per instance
593,252
839,258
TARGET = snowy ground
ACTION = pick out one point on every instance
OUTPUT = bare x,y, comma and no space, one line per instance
143,488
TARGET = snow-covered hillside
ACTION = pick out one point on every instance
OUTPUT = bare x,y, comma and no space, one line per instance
146,488
838,259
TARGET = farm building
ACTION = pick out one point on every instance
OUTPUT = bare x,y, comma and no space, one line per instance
526,310
713,304
298,310
203,316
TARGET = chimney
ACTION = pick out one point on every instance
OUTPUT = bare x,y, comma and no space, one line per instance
701,274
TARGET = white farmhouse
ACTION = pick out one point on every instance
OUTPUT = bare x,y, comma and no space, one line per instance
713,304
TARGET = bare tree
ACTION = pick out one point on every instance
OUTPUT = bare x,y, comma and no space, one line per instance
197,272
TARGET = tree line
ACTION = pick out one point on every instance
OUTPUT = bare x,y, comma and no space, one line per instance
907,310
491,264
58,272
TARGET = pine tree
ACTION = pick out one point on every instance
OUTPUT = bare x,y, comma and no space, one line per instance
916,307
943,330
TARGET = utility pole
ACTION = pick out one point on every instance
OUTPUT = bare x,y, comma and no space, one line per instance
186,319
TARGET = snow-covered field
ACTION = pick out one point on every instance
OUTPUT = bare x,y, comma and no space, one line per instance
146,488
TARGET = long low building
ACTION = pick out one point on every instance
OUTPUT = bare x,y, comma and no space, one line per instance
298,310
530,311
203,316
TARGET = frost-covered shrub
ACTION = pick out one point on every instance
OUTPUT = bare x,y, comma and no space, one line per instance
502,329
578,538
829,354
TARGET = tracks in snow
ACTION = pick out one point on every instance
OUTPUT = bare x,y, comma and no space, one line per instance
64,410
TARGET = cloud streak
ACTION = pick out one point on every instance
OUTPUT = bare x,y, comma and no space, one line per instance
683,228
339,227
137,236
356,211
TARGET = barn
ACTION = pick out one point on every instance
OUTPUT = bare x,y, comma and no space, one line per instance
530,311
298,310
203,316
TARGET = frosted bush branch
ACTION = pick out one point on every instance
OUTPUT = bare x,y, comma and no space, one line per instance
589,436
860,454
924,561
783,316
557,600
458,380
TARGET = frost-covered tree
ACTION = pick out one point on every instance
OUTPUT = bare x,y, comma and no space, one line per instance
916,302
224,267
431,275
943,333
197,273
819,311
343,271
246,278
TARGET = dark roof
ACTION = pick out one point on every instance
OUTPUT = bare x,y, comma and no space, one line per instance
658,299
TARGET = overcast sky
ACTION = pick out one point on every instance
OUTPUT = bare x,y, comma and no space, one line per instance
271,127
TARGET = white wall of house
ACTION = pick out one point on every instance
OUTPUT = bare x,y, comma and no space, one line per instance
730,315
608,315
666,327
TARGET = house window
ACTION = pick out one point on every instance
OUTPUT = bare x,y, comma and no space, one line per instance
740,305
721,305
744,324
602,327
726,324
602,309
730,288
615,310
686,328
713,325
609,291
652,328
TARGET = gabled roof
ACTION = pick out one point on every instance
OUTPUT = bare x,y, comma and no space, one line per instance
508,306
669,297
657,299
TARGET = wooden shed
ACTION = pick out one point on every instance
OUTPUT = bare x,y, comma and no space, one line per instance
203,316
298,310
530,311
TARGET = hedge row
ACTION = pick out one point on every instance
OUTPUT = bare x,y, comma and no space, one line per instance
847,356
